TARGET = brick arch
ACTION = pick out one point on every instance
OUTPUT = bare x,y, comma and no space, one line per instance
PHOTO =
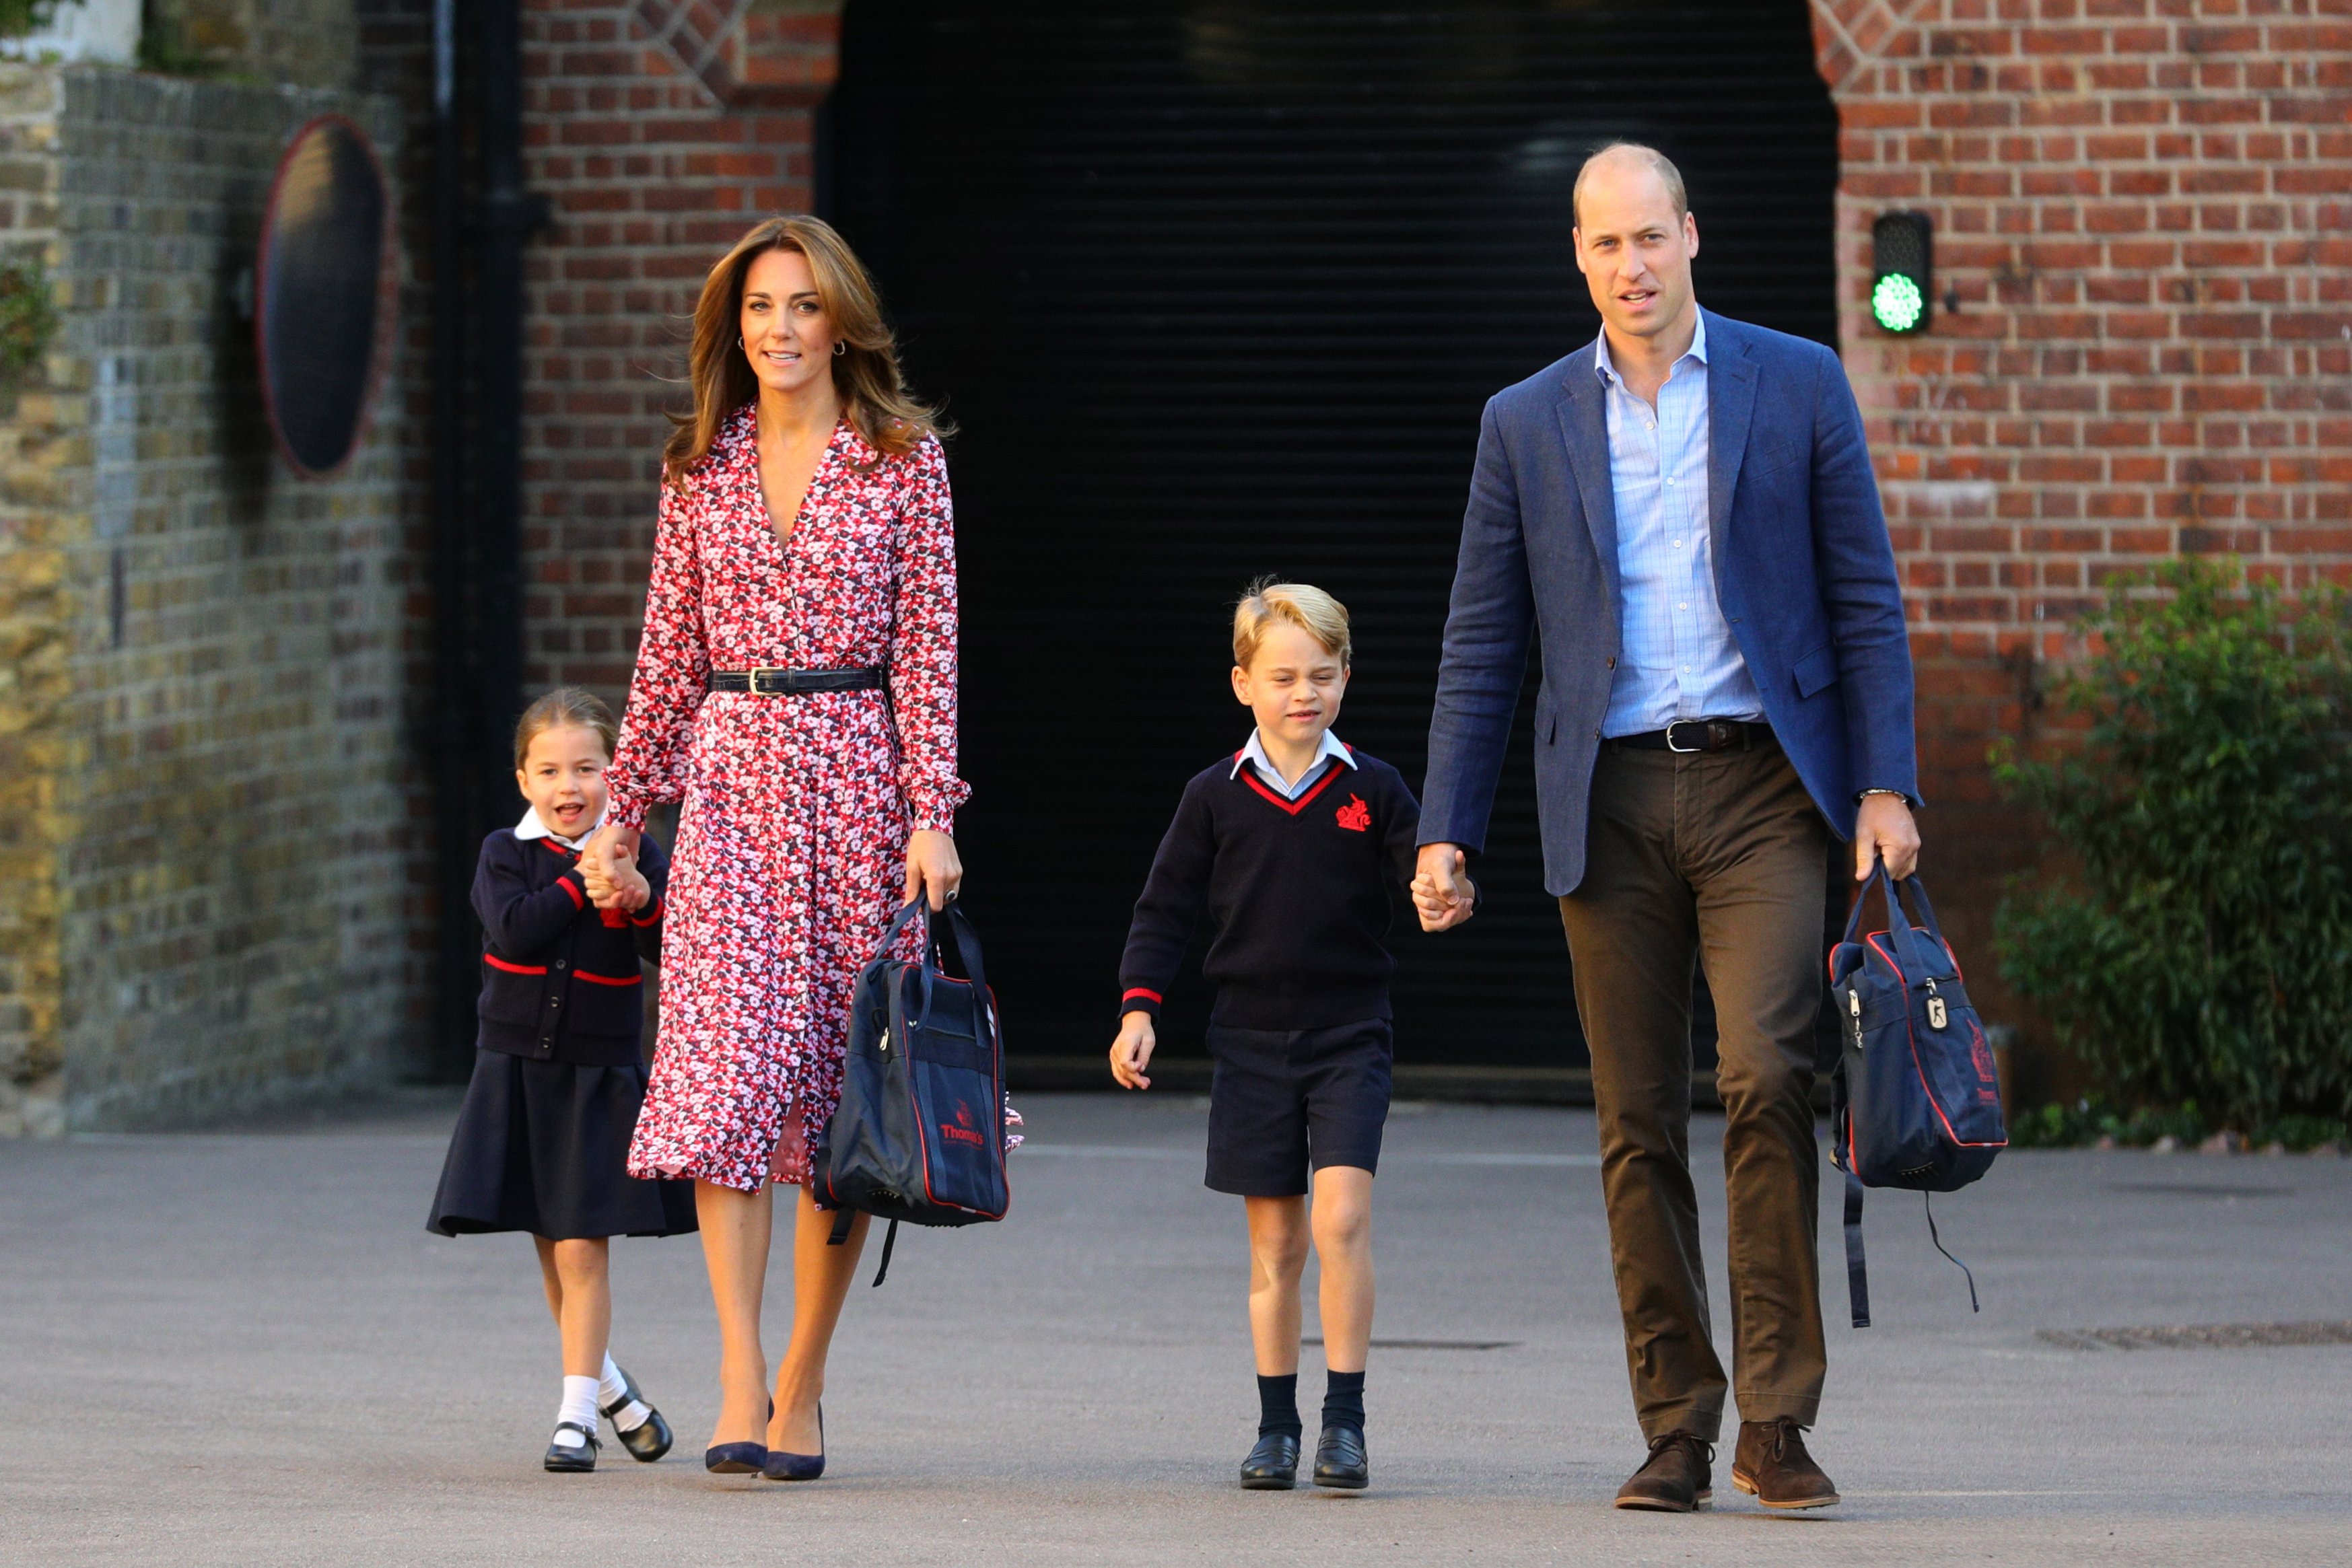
751,54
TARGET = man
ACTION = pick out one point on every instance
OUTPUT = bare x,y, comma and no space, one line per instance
1684,510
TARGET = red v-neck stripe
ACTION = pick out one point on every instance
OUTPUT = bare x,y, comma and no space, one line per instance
1249,776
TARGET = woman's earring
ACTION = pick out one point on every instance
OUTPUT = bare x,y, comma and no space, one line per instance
840,347
739,340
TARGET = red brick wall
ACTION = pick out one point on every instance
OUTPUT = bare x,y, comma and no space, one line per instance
2143,206
651,170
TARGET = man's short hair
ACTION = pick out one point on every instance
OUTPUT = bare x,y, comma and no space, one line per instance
1660,165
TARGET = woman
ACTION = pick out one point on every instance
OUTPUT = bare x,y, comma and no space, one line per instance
806,526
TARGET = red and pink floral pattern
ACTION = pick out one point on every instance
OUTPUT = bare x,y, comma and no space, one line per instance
796,813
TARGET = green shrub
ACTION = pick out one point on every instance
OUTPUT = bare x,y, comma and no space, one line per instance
2055,1126
2194,946
18,17
28,318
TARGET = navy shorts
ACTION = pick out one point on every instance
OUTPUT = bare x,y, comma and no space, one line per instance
1284,1100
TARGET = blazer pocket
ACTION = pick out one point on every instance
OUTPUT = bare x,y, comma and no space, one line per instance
1765,464
1817,671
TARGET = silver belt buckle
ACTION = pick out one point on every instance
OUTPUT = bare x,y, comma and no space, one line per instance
761,690
1684,750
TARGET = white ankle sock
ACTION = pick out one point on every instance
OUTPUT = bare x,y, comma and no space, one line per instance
579,1405
614,1386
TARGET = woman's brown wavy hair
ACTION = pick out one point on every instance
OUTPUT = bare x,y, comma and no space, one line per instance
865,374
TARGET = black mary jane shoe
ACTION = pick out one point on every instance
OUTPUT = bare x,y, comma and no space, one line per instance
1339,1459
573,1458
650,1439
1273,1465
784,1467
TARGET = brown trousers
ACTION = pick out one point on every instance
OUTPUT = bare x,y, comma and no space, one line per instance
1718,859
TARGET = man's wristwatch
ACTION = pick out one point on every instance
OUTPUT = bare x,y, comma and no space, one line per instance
1866,794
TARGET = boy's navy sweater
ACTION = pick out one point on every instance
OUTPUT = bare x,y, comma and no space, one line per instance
1299,895
560,976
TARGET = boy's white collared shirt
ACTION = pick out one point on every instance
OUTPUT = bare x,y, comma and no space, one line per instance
1255,755
530,827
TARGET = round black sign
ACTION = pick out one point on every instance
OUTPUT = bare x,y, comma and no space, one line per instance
322,292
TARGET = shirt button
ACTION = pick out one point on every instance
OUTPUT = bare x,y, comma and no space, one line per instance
1670,483
1678,544
1682,607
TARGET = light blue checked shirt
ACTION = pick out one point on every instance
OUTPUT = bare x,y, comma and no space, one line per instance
1677,659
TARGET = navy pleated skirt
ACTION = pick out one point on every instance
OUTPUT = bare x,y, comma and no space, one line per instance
543,1147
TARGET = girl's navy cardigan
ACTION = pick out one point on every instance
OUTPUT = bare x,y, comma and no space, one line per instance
560,976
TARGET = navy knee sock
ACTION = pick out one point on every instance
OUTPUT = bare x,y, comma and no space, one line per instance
1343,1400
1277,1405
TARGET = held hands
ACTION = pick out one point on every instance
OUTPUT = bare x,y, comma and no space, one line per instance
1131,1054
1442,892
934,870
1882,828
608,864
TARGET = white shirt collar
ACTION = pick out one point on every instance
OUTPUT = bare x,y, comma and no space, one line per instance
530,827
1606,367
1255,754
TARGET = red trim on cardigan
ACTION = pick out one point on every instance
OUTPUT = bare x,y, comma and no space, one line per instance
495,962
608,979
1140,991
1249,776
565,883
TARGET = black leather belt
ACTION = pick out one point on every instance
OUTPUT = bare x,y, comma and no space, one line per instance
775,682
1692,735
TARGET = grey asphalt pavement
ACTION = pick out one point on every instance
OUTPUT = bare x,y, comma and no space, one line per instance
243,1347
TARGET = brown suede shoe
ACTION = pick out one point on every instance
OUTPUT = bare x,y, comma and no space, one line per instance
1674,1479
1772,1467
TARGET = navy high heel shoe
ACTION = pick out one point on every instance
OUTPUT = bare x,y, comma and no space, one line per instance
784,1467
738,1459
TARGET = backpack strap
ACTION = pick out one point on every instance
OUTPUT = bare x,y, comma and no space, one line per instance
889,1240
843,1218
1857,1273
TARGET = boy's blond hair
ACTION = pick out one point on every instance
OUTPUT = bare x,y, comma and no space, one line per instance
563,705
1302,605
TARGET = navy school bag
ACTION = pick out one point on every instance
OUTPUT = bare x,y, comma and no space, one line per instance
920,1133
1914,1100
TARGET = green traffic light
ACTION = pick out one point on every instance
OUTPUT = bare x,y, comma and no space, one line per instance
1897,303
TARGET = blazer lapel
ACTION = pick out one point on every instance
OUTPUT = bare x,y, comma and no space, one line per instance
1730,408
1584,426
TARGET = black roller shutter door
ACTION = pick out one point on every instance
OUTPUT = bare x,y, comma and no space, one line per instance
1219,289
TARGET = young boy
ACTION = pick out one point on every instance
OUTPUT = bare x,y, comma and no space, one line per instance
1294,845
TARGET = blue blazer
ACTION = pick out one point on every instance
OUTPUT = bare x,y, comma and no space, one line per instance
1803,569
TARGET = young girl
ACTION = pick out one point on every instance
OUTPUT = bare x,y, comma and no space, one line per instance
558,1072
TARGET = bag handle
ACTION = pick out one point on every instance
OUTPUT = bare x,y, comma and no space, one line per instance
1898,919
960,927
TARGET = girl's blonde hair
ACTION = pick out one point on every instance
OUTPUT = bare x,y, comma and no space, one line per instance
1309,608
566,705
866,375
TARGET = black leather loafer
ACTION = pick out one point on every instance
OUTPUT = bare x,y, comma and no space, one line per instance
1339,1459
784,1466
650,1439
1273,1465
573,1458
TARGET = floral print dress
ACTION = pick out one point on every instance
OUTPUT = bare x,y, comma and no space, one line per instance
795,811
